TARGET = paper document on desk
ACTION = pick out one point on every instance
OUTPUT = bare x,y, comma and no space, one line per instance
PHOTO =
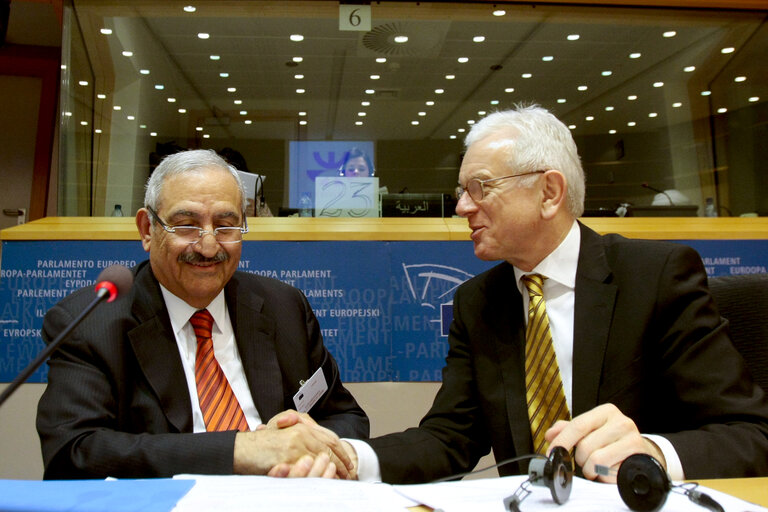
488,494
249,493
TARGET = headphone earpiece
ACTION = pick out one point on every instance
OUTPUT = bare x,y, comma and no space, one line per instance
555,472
643,483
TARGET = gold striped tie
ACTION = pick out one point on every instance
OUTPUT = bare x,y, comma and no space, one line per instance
543,386
220,408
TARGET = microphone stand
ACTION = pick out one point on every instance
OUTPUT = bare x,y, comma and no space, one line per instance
101,294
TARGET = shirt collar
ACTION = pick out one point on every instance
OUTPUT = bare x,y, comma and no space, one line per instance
180,312
561,264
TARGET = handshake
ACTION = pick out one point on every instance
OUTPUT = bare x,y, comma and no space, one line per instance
293,445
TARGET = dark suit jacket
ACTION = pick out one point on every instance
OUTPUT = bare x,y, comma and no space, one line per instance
647,338
117,402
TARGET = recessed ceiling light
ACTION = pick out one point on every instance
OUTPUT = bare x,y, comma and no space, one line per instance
381,60
669,33
69,114
607,73
422,114
190,8
248,121
238,102
303,122
499,12
358,123
83,82
729,49
571,126
298,77
706,93
101,96
573,37
159,87
300,91
561,100
302,113
297,37
243,112
590,118
450,77
206,135
481,112
361,114
144,71
97,130
548,58
526,75
509,89
689,69
182,111
401,39
612,132
494,102
461,130
203,35
582,88
463,60
429,103
365,103
470,121
224,74
198,128
215,57
106,31
83,123
740,79
631,123
414,123
753,99
722,110
171,100
635,55
632,97
130,118
375,77
153,134
231,89
478,39
609,108
451,136
297,59
439,91
652,114
143,126
370,91
658,84
677,104
127,53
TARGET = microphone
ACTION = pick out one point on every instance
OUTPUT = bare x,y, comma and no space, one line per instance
646,185
113,281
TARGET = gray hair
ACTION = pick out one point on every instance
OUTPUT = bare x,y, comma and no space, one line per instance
191,161
538,141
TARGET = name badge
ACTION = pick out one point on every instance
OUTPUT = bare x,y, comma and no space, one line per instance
310,391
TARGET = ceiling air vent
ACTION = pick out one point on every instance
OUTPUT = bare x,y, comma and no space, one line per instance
424,38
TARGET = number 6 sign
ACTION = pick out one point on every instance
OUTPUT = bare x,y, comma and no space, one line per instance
355,17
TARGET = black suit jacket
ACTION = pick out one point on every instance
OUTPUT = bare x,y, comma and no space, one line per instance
647,338
117,401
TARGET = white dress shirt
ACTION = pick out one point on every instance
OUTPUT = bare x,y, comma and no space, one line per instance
559,267
224,349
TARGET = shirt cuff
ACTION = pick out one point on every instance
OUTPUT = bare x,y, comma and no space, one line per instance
674,466
367,461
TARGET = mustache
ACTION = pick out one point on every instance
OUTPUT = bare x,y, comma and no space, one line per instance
195,257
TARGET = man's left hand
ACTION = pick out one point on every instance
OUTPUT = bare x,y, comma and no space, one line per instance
602,436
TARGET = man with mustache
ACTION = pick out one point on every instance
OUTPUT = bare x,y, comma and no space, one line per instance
129,393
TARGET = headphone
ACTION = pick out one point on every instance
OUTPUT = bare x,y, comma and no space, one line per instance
644,486
554,472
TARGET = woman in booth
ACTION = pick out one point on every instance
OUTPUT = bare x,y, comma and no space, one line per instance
357,164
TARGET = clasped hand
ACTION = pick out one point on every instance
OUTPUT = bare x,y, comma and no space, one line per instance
602,436
292,444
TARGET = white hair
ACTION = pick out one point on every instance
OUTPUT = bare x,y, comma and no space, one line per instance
538,141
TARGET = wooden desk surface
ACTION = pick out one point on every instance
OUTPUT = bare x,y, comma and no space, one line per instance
754,490
295,228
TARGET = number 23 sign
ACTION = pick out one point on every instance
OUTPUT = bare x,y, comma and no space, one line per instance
346,197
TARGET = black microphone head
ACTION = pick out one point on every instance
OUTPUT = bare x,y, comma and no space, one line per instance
117,280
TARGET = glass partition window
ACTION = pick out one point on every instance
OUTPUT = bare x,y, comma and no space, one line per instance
668,107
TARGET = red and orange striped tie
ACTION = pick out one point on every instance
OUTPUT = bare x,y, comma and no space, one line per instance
221,410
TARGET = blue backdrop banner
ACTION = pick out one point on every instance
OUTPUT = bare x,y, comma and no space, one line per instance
383,307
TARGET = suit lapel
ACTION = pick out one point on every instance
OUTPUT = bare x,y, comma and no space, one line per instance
594,304
154,345
255,334
506,322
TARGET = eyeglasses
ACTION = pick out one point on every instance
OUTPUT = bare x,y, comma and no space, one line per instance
193,234
475,187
